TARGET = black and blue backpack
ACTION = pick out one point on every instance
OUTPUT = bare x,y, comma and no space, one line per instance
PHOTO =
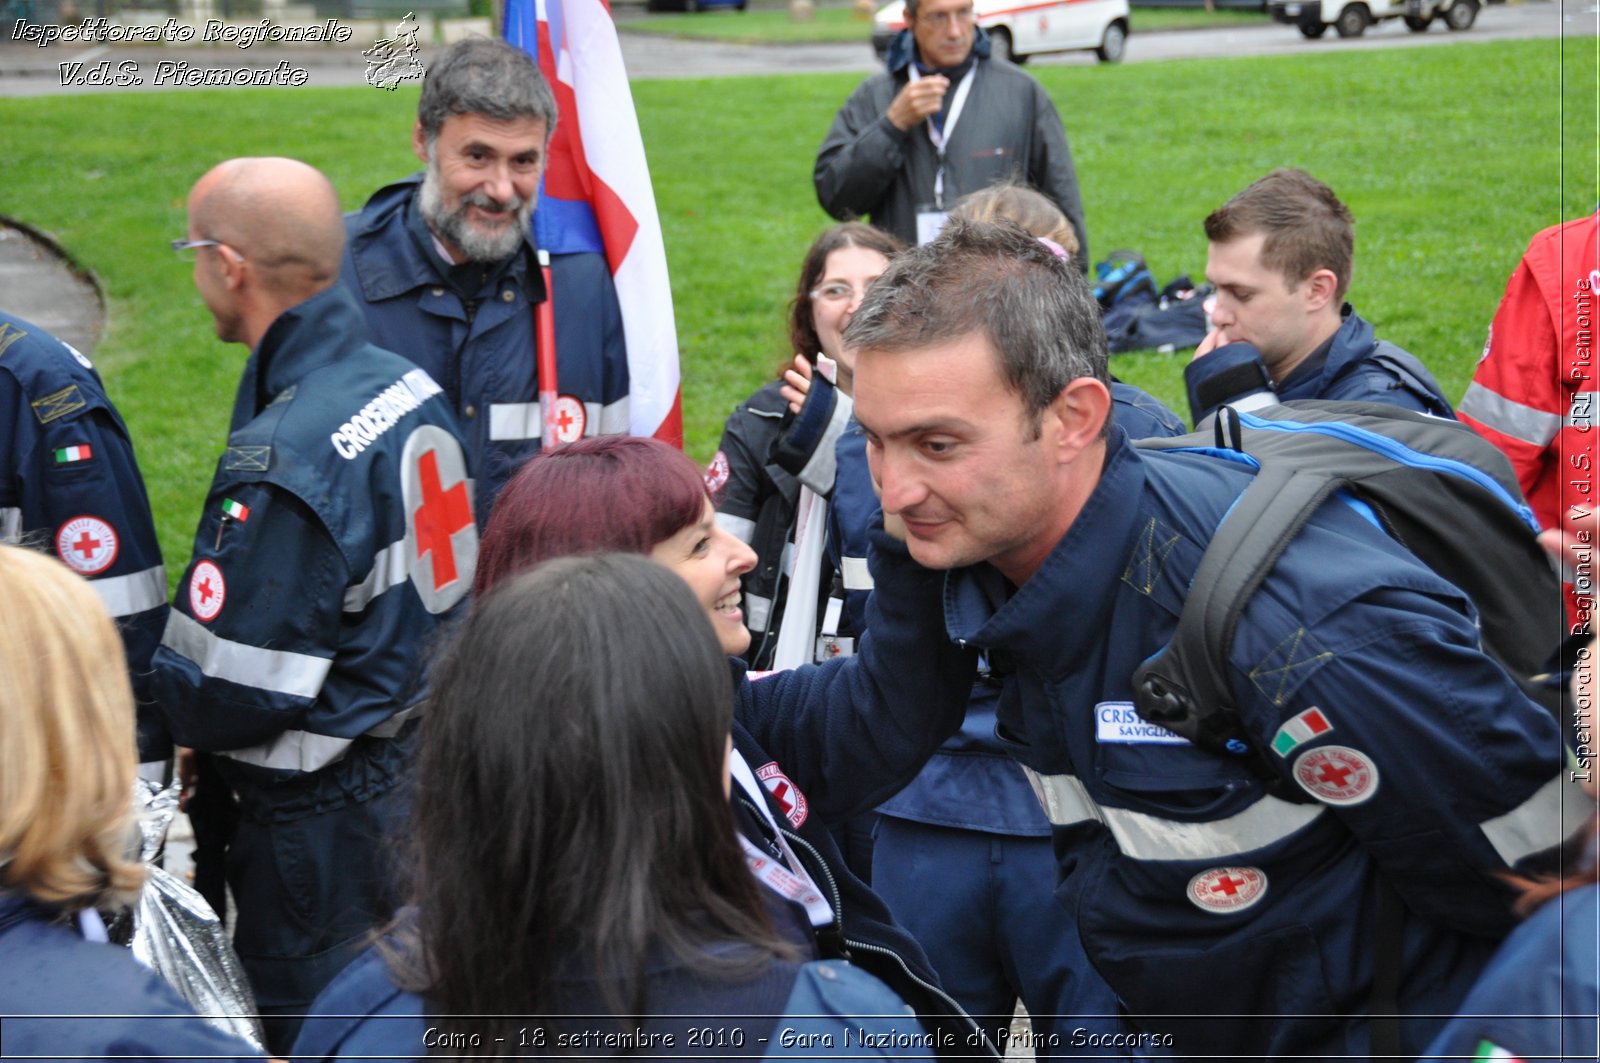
1432,483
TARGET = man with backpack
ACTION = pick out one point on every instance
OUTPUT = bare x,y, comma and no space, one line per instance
1326,882
1281,256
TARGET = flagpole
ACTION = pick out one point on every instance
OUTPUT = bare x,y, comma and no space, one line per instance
544,317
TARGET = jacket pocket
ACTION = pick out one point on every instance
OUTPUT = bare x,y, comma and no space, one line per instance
1261,996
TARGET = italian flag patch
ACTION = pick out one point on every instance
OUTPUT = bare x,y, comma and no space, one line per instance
233,509
1488,1050
1300,730
68,455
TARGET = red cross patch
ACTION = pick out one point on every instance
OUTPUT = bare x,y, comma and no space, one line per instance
441,537
570,419
87,544
717,473
1337,775
786,793
207,590
1227,889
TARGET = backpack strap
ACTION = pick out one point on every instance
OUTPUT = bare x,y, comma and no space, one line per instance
1185,687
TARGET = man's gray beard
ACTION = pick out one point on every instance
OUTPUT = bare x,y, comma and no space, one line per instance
453,228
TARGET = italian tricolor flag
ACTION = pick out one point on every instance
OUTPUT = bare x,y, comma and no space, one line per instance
233,509
1488,1050
1303,728
67,455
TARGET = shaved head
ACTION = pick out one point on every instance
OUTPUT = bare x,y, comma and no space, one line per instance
280,215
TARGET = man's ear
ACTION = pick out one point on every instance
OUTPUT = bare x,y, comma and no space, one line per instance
1320,289
419,141
234,266
1079,414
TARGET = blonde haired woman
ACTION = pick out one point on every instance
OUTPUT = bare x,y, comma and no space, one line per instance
67,764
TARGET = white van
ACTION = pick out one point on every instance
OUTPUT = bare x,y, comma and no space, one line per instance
1350,18
1019,29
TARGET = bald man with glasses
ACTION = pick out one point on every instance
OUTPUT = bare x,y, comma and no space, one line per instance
943,119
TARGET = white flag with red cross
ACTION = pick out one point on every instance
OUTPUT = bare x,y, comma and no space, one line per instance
596,194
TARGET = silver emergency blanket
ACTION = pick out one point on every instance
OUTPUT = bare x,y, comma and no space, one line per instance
177,935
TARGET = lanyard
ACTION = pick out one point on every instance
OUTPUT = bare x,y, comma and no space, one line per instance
940,138
792,885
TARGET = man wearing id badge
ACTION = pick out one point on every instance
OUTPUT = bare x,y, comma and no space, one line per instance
946,118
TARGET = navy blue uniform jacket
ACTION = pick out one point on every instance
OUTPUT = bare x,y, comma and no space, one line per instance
69,484
1198,896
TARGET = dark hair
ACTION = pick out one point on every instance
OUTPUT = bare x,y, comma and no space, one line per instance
570,822
802,329
995,279
488,77
596,495
1305,225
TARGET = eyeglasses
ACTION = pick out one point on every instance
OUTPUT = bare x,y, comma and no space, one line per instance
947,18
837,293
187,250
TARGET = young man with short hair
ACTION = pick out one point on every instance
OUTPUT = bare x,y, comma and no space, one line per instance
1281,256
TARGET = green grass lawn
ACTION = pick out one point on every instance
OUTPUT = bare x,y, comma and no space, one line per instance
834,23
1448,170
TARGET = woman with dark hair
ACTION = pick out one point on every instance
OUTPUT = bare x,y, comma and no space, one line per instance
578,882
813,745
758,476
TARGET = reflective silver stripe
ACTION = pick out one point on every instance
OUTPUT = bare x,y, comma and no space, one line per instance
127,595
391,727
1146,837
298,675
1542,822
522,420
1494,410
741,528
389,568
293,751
515,420
614,418
307,751
1581,414
857,576
820,470
10,524
1255,401
757,611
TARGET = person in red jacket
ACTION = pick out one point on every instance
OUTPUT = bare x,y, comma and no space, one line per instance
1534,392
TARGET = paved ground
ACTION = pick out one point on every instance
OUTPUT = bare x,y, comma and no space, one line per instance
38,284
27,70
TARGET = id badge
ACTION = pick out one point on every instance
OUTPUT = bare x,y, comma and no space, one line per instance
929,222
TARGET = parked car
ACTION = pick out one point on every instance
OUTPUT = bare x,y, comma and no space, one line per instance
1019,29
1350,18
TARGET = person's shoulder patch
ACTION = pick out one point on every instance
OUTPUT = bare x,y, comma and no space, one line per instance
87,544
247,459
58,404
717,474
784,791
207,591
